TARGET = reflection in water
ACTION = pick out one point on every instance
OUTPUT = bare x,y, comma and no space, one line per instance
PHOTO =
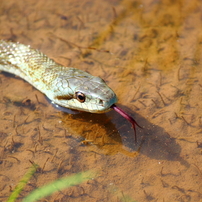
97,129
113,134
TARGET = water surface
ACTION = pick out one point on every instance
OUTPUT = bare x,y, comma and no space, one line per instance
149,52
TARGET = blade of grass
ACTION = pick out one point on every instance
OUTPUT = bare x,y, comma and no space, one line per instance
59,185
22,183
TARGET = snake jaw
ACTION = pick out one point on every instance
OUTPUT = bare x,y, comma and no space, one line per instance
128,117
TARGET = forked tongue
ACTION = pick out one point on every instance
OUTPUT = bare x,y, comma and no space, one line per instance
128,117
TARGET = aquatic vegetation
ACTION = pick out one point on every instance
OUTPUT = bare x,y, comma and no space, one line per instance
50,188
59,185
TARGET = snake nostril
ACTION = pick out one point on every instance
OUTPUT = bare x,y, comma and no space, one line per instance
101,102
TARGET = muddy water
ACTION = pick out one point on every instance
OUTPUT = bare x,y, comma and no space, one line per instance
149,52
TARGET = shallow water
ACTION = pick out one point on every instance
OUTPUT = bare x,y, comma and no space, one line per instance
149,52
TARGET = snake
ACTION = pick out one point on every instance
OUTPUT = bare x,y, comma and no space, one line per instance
67,87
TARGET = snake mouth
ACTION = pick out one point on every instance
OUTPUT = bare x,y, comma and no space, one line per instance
128,117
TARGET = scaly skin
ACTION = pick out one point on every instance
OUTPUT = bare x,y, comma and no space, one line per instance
65,86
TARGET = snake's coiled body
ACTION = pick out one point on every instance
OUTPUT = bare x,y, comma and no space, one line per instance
68,87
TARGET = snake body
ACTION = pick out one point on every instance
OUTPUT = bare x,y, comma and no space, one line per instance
66,86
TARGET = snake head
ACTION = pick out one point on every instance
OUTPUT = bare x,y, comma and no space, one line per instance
84,92
96,96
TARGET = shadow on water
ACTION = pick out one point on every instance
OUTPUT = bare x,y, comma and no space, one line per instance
113,134
152,140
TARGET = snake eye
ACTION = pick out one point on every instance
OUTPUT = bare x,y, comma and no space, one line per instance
80,97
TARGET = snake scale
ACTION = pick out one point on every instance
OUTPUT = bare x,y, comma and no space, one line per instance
65,86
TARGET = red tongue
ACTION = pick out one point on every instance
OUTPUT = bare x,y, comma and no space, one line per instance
126,116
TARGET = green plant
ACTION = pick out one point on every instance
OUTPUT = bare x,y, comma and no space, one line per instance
49,189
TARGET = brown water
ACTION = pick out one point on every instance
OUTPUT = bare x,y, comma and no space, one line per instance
149,52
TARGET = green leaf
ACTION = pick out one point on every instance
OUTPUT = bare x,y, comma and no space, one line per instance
59,185
22,183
